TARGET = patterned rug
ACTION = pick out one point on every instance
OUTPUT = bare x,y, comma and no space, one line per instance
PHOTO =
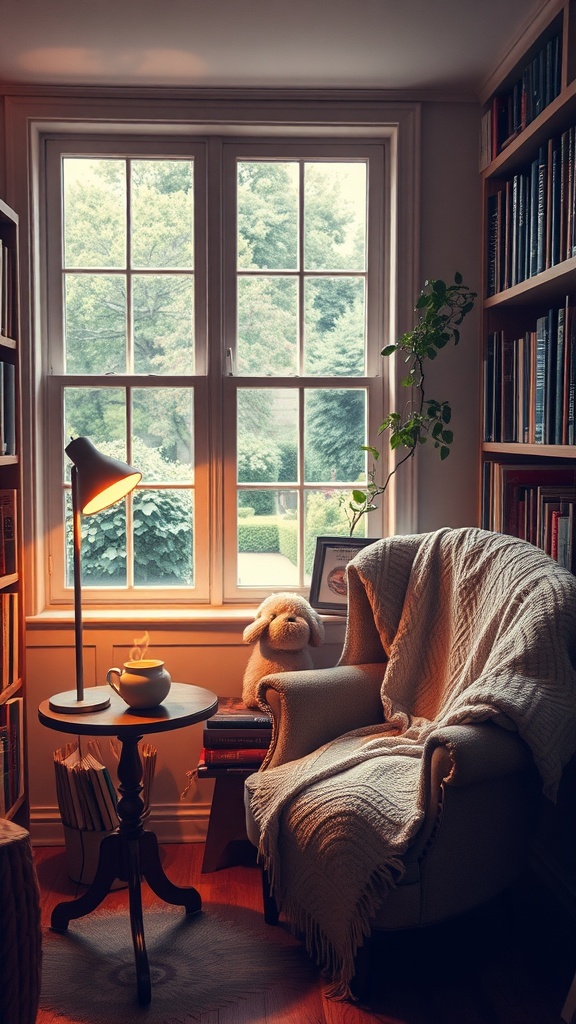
197,964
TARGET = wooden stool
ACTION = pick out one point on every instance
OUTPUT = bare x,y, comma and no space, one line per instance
226,842
20,934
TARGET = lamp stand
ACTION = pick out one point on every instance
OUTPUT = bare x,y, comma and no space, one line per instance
78,701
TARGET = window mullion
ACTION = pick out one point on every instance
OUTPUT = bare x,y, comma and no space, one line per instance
129,292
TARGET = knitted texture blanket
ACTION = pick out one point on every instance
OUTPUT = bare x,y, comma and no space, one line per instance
470,626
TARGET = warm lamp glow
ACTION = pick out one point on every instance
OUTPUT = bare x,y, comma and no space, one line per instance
98,481
111,495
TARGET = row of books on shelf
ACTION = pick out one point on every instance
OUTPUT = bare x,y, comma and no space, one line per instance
512,110
9,641
532,216
236,738
11,753
530,381
7,408
535,503
7,312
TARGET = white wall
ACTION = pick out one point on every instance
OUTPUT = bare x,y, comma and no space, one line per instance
450,241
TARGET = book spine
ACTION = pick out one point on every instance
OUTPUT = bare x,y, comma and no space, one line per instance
239,722
248,755
540,389
9,408
260,738
8,531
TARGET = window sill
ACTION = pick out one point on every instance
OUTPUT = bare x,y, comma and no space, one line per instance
215,617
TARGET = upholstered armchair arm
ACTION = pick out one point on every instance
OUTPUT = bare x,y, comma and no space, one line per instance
310,708
459,756
464,755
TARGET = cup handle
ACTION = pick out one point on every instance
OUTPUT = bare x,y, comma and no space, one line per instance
110,672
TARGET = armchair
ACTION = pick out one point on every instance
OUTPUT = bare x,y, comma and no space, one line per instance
400,785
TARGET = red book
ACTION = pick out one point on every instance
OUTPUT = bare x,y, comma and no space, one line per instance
243,755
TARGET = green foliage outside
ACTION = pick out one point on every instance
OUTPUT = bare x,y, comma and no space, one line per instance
161,341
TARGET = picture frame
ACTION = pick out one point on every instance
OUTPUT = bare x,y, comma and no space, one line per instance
328,585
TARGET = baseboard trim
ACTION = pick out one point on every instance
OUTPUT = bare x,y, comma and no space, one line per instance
171,823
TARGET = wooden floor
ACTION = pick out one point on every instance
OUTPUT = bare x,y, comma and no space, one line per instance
509,963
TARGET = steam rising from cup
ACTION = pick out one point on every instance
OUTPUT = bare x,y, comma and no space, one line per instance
138,652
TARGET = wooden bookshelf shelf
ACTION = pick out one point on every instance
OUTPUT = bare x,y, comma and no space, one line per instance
539,451
13,787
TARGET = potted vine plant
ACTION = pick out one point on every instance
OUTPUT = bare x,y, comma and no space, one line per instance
441,308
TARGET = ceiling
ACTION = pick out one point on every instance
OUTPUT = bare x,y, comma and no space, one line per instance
422,45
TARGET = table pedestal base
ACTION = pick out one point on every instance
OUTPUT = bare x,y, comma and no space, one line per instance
130,854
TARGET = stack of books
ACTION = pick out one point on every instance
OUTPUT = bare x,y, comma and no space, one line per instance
235,739
86,795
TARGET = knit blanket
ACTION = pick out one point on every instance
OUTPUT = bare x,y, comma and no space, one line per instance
470,626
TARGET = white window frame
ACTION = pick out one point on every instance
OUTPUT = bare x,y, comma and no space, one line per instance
378,225
56,380
29,119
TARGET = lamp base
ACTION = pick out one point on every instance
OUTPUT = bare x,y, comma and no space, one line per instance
67,703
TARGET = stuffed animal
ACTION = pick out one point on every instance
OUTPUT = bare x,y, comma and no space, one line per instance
284,628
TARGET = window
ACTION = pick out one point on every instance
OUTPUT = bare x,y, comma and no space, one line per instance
215,313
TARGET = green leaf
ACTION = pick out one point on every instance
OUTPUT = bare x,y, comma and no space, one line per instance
458,278
444,453
359,497
447,436
407,382
373,451
389,350
446,413
437,429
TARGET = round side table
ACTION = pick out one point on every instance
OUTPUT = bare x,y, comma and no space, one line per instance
131,852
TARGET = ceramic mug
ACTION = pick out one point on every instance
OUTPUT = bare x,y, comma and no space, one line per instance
142,684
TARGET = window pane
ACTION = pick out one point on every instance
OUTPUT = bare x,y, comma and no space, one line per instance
267,326
97,413
267,440
163,539
162,214
335,326
335,216
325,517
103,547
162,423
267,215
267,542
334,431
163,323
94,197
95,323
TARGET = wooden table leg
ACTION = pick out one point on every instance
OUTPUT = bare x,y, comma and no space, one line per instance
129,853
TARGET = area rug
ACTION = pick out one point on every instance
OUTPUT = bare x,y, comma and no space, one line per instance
197,964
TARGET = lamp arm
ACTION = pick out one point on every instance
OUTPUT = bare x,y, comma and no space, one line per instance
77,541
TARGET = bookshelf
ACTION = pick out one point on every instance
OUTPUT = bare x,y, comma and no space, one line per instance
13,803
528,172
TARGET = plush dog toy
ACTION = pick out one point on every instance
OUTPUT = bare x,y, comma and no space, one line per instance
284,627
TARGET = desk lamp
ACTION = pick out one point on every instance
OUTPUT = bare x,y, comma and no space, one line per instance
98,482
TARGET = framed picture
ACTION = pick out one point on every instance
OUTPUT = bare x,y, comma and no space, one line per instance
328,587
